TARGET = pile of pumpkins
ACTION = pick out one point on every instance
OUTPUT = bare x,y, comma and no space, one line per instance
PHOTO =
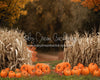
80,69
63,68
26,71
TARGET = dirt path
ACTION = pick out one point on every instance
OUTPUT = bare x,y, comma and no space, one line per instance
47,57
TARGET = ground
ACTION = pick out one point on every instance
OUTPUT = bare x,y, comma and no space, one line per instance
50,56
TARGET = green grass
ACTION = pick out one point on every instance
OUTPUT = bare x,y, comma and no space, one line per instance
55,76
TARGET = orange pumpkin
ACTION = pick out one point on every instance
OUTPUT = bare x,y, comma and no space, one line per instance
92,67
17,70
31,70
11,74
75,71
96,73
77,67
67,65
18,75
24,73
80,65
59,68
7,69
85,71
67,72
46,69
38,72
38,66
3,73
24,67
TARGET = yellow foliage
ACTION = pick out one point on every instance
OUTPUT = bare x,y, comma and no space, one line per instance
13,9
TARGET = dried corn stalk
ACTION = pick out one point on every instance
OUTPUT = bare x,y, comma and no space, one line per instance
13,49
84,49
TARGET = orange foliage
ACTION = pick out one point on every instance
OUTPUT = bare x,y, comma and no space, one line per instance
2,4
90,4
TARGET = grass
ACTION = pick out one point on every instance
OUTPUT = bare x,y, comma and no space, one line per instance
55,76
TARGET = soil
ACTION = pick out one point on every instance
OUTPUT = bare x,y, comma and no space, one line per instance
49,57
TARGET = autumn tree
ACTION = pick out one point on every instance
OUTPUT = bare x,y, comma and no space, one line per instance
93,19
10,10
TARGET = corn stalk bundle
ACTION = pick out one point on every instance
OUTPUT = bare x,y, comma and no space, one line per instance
83,50
13,49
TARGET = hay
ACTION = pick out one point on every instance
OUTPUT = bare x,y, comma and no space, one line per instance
13,49
83,50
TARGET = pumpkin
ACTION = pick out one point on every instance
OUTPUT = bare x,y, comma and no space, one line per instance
46,69
59,68
7,69
80,65
77,67
75,71
3,73
11,74
38,66
96,73
92,67
67,72
38,72
17,70
31,70
85,71
24,67
18,75
24,73
67,65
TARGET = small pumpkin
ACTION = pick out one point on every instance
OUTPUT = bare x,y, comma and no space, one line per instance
38,66
85,71
18,75
67,72
17,70
77,67
31,70
3,73
11,74
67,65
96,73
24,67
24,73
92,67
38,72
59,68
80,65
46,69
7,69
75,71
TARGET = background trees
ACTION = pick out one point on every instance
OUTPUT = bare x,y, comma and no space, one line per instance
51,16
